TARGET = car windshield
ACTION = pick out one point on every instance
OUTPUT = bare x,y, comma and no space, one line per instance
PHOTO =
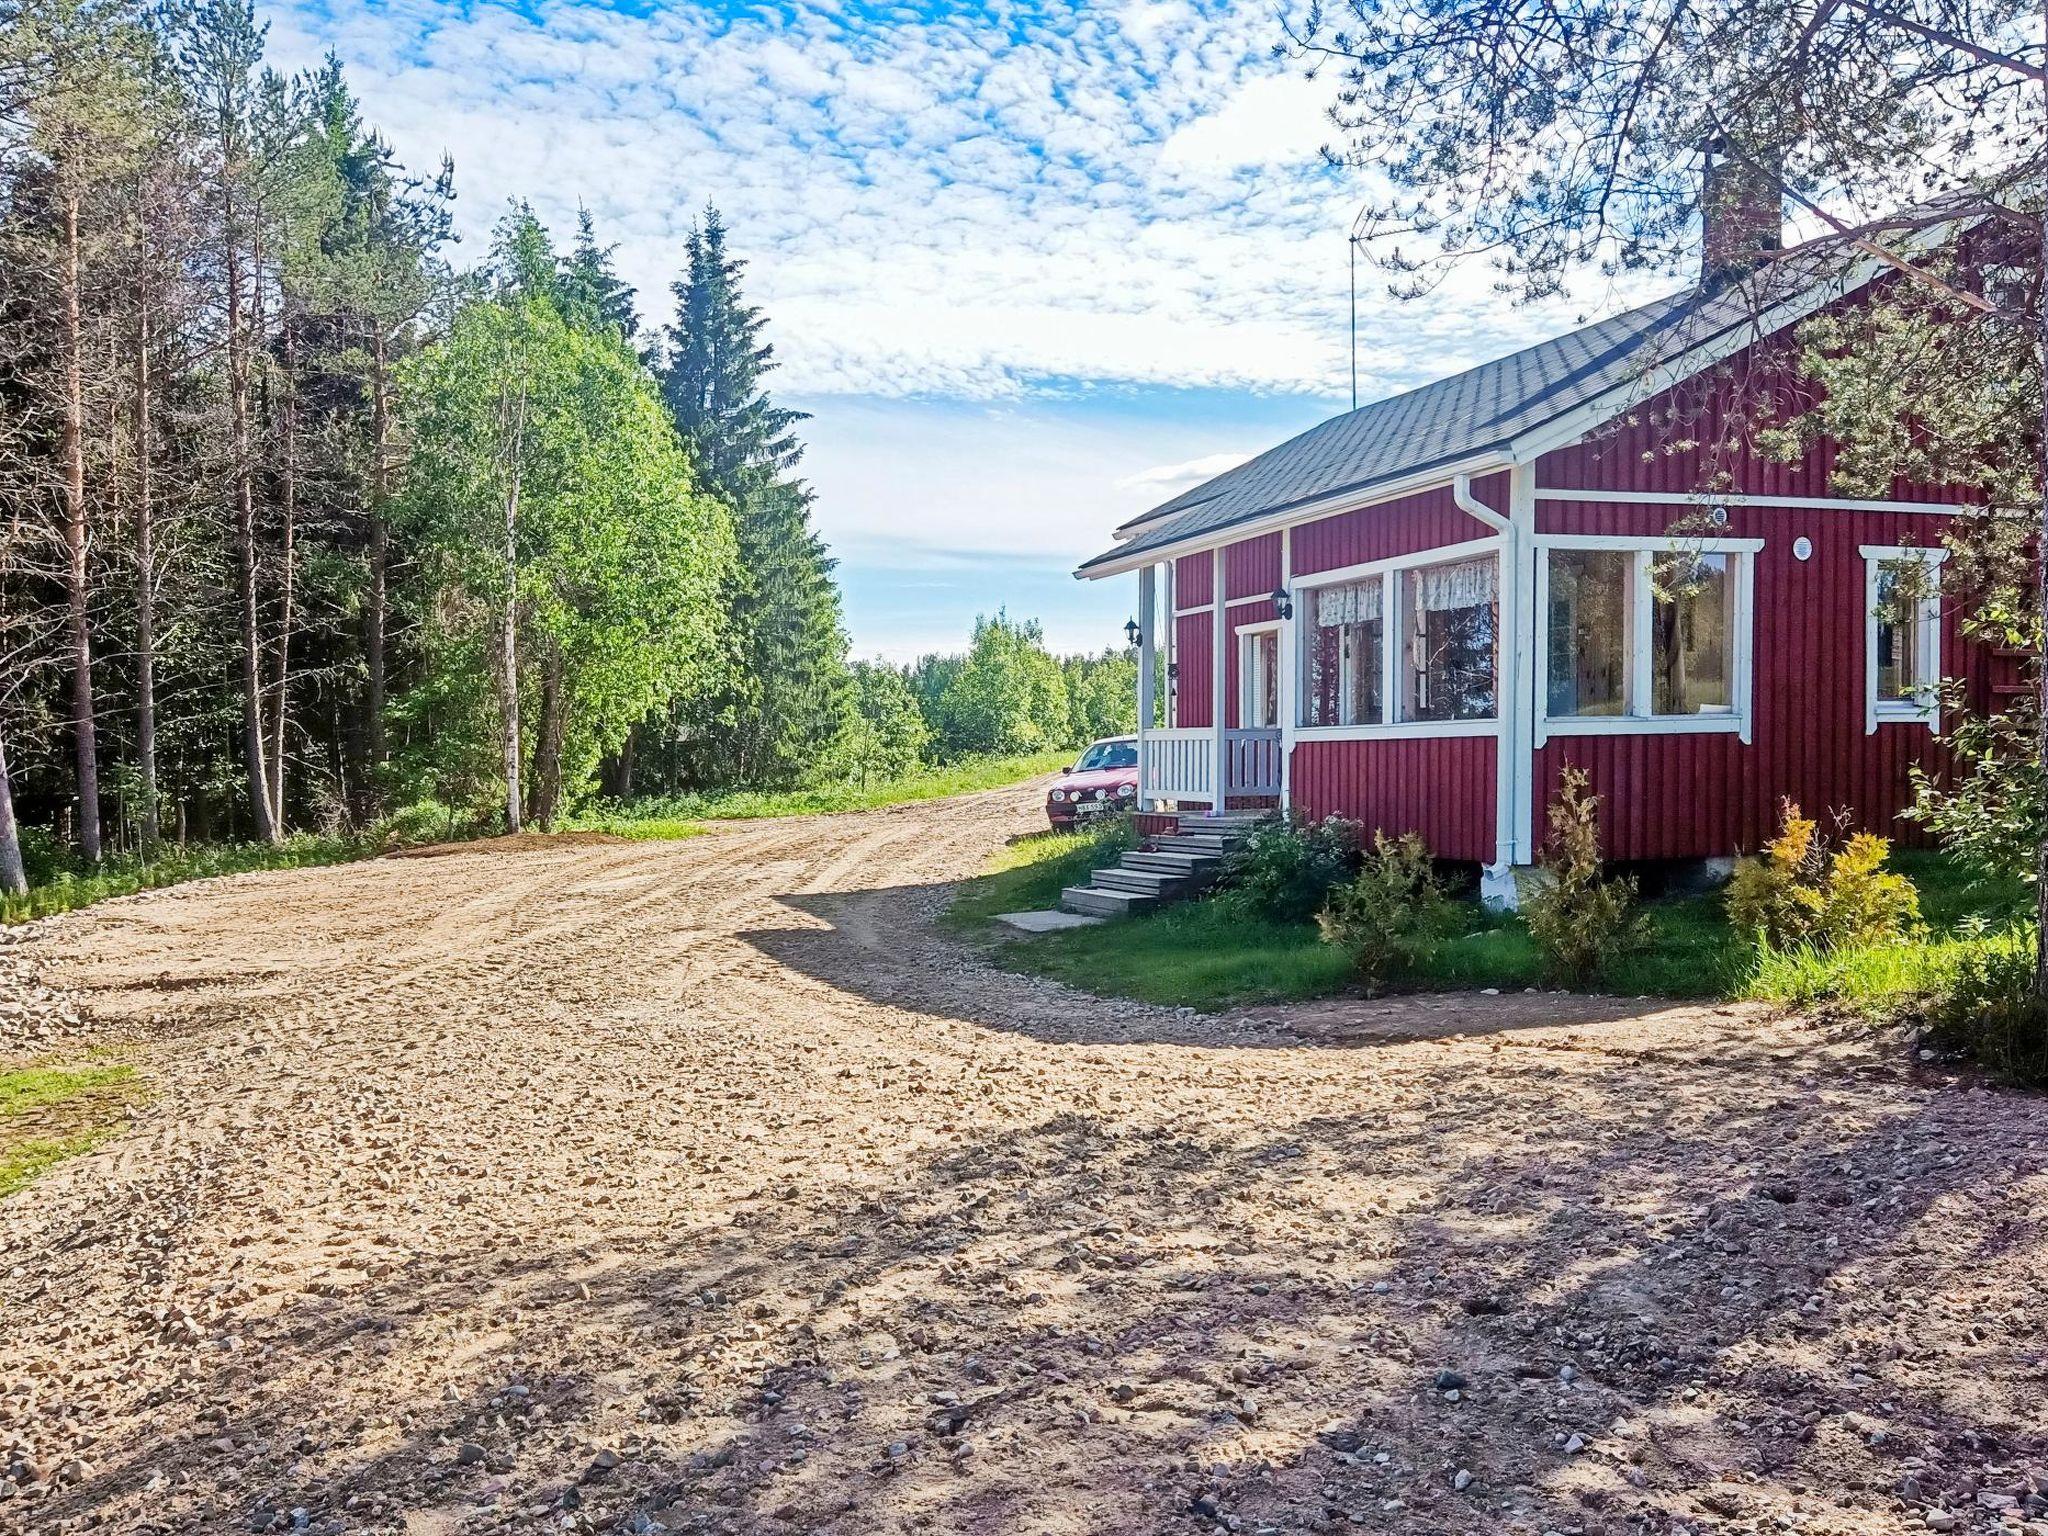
1108,754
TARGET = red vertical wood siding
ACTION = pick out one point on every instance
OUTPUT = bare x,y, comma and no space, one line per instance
1194,581
1251,568
1695,796
1441,787
1427,520
1699,434
1193,663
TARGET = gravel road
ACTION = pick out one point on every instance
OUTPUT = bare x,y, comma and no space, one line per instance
703,1186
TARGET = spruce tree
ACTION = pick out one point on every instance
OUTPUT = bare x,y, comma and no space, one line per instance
790,690
590,290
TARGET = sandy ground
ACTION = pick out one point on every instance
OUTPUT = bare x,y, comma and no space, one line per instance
703,1187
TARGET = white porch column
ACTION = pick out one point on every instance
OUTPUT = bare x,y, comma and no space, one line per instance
1219,688
1290,675
1171,640
1146,701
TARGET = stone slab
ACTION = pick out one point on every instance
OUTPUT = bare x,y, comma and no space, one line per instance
1045,922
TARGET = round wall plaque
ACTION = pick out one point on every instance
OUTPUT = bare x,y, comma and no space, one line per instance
1802,547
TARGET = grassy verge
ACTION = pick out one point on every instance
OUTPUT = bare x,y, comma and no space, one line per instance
680,815
50,1113
124,875
62,890
1201,955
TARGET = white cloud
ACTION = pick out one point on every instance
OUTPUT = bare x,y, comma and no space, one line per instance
959,201
1275,120
1163,482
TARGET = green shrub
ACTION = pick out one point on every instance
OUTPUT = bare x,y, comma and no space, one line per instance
1986,1007
1285,871
424,821
1799,892
1393,915
1580,920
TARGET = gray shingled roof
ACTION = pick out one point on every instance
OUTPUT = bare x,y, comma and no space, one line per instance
1457,418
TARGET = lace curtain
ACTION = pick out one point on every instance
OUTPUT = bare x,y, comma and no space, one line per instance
1355,602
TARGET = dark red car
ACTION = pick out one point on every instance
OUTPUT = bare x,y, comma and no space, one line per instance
1104,780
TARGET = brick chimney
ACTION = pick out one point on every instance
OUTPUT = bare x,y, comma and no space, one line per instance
1742,213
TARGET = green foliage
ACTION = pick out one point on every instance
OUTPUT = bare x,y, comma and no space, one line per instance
1285,871
1987,1007
1394,916
1802,892
1006,696
1581,921
124,875
884,736
613,563
1994,812
1102,693
785,694
24,1162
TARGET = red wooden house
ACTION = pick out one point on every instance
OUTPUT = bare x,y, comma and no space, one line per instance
1419,613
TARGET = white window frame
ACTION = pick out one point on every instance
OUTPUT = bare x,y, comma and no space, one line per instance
1247,645
1926,639
1740,719
1392,649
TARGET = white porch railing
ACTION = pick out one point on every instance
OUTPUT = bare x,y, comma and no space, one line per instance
1254,761
1180,764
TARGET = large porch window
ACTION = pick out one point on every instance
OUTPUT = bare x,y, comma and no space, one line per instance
1453,612
1408,645
1344,657
1650,636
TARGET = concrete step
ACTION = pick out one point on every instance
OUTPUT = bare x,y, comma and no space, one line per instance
1191,864
1198,847
1146,882
1100,903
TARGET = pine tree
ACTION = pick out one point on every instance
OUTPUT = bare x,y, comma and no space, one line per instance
792,678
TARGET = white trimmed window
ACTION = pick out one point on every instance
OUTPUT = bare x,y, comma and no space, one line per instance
1901,635
1646,635
1409,645
1258,675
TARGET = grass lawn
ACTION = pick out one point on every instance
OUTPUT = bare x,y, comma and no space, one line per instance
62,890
682,815
50,1113
1199,955
125,874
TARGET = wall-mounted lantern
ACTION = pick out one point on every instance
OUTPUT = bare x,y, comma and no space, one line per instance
1131,632
1283,605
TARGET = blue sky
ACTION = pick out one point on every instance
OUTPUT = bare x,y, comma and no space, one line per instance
1032,266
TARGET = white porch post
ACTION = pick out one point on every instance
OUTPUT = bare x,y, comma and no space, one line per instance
1146,702
1219,688
1289,675
1170,646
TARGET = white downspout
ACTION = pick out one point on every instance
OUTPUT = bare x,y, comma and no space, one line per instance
1219,688
1497,882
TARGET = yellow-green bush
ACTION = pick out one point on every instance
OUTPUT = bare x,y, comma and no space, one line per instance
1801,892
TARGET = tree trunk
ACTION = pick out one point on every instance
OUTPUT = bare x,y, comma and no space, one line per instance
145,592
508,644
245,547
618,773
376,610
13,878
281,666
2041,588
78,619
548,732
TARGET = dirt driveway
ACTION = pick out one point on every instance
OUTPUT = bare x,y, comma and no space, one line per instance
702,1187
